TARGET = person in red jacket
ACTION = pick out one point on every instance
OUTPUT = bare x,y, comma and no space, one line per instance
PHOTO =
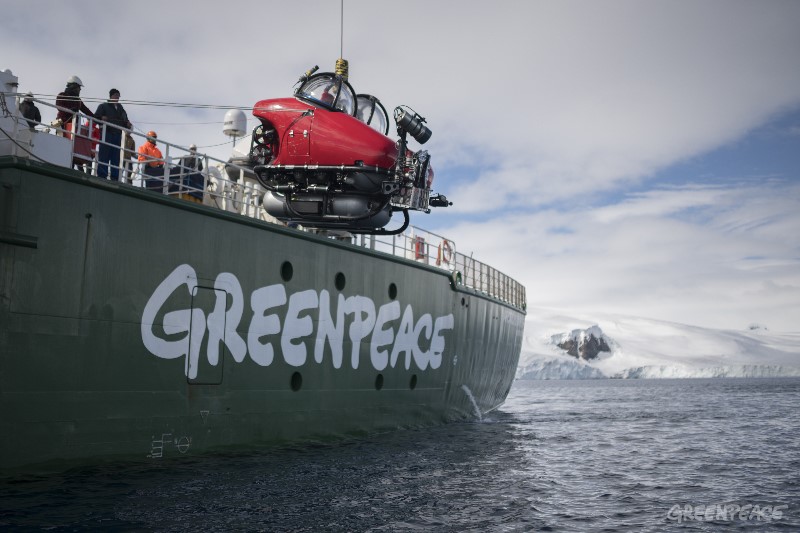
153,161
69,103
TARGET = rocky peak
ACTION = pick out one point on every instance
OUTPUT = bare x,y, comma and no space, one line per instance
583,344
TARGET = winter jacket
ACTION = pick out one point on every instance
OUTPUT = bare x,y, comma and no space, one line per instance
72,103
113,113
29,111
149,151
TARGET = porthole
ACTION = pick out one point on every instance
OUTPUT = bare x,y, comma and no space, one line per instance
340,281
297,381
379,382
392,291
287,271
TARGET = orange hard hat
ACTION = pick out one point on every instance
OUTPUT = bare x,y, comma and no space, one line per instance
151,133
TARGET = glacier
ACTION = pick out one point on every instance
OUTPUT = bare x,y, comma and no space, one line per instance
643,348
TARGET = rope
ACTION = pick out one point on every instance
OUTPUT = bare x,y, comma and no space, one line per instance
148,103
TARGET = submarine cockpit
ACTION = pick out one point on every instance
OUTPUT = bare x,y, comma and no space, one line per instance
326,160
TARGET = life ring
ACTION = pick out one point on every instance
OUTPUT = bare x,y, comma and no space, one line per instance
446,251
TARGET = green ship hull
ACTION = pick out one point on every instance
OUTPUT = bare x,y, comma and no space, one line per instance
136,325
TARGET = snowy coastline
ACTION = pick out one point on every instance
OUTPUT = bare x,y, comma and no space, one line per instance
644,348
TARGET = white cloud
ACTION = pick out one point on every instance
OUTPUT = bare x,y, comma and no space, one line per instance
564,91
609,93
712,256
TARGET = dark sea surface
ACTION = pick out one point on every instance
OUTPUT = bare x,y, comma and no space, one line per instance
601,455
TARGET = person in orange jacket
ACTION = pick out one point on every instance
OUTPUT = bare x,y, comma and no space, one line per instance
152,160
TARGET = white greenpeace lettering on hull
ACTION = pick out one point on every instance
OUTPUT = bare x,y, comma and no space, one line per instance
222,322
382,336
264,325
296,324
297,327
328,330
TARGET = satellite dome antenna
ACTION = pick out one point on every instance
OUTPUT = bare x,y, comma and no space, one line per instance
235,124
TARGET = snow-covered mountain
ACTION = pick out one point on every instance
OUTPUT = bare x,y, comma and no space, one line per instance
645,348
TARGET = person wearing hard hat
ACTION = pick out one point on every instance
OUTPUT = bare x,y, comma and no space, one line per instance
69,104
191,167
30,112
152,160
190,161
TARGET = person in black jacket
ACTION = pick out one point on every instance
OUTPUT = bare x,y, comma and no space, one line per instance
108,155
191,167
29,111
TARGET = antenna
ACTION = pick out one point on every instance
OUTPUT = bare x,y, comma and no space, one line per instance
342,66
341,30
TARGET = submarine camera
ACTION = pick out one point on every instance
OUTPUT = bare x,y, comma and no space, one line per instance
413,124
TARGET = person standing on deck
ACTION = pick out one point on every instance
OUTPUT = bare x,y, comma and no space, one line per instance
30,112
191,167
69,103
113,112
153,162
130,153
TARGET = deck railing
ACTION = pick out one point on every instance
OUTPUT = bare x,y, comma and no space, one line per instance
432,249
243,195
85,135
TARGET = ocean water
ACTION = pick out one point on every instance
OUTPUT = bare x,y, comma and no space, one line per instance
601,455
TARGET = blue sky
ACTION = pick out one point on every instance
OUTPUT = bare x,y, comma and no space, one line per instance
626,156
771,151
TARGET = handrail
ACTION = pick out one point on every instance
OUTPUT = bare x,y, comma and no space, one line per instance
174,178
427,247
243,196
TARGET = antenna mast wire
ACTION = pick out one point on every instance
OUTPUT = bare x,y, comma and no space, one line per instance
341,30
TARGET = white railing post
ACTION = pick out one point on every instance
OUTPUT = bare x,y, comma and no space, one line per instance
95,151
165,172
72,139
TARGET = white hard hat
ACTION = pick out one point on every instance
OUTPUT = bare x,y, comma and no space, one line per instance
192,147
75,79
